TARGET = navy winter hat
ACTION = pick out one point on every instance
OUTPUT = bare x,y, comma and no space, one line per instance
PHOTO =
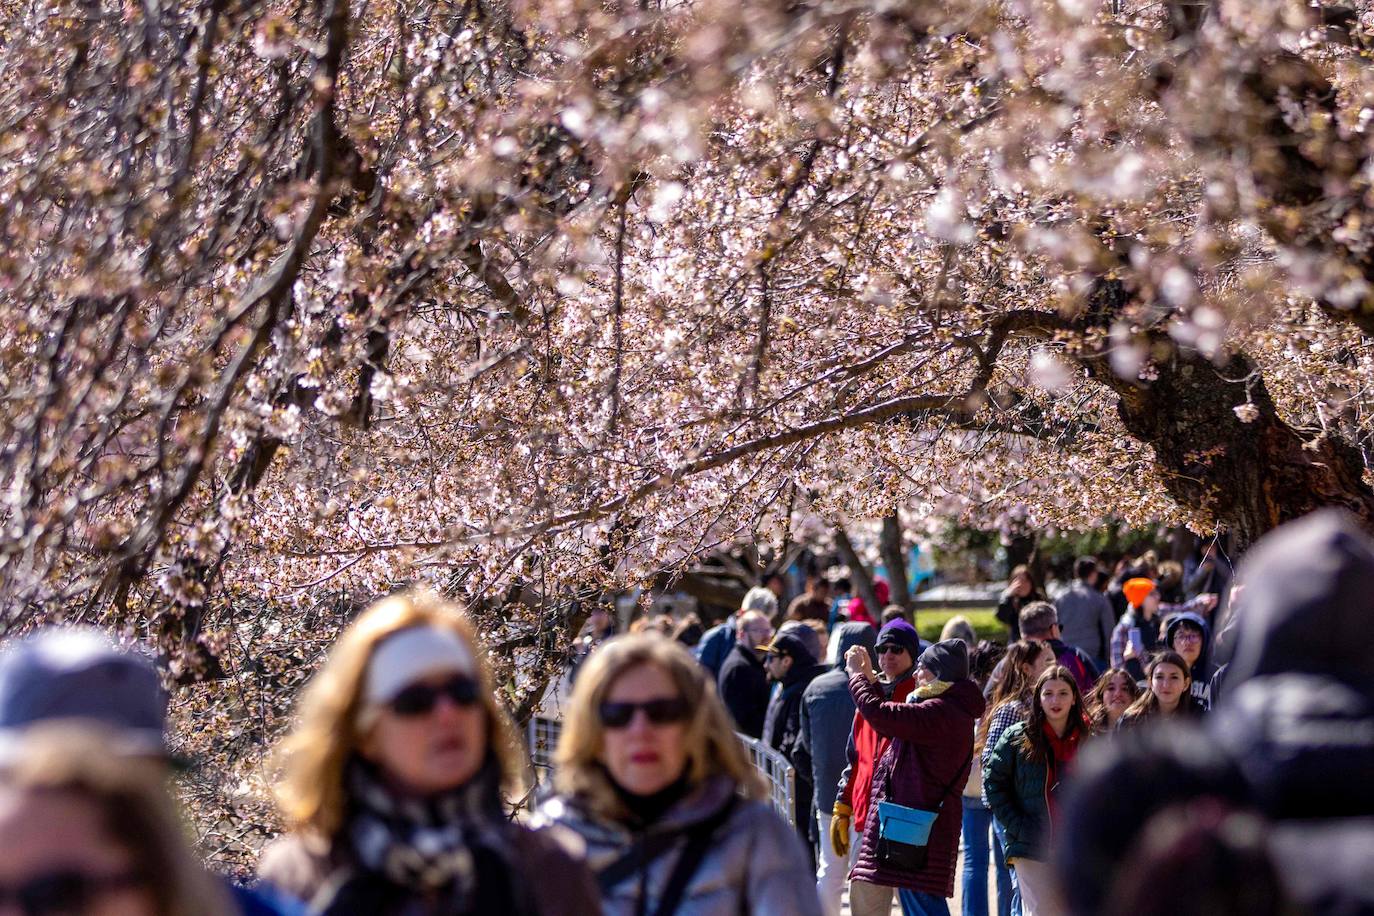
947,660
77,673
900,633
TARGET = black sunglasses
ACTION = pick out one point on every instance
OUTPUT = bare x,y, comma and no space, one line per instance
420,699
660,711
890,649
65,892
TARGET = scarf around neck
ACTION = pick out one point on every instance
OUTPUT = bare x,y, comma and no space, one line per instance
442,843
933,689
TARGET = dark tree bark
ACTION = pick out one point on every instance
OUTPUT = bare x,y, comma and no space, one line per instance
894,559
858,573
1251,477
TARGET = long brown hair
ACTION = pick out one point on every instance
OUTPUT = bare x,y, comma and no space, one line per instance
1015,685
132,802
712,748
1147,704
1036,593
313,758
1033,742
1097,697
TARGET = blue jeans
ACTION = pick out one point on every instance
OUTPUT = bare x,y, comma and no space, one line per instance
978,845
1013,898
919,903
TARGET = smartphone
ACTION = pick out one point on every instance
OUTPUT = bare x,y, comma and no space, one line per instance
1137,643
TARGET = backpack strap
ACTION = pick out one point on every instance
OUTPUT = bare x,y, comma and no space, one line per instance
649,849
641,854
699,837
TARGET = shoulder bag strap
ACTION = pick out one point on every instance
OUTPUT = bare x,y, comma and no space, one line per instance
641,854
698,841
963,767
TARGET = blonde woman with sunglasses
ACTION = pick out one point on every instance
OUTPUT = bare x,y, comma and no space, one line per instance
653,780
393,782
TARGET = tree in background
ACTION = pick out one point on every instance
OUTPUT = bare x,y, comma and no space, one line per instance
528,300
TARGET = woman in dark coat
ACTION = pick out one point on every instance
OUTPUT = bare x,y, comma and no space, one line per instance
925,766
1021,591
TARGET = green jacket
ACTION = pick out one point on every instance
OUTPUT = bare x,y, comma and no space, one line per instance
1016,789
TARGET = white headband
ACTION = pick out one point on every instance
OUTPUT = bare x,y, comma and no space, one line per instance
409,655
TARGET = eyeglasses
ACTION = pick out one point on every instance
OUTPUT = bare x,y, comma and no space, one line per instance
1187,636
890,649
661,711
420,699
65,893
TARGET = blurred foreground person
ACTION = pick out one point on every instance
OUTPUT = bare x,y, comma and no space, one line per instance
1218,854
1291,741
916,782
392,783
77,676
654,782
83,833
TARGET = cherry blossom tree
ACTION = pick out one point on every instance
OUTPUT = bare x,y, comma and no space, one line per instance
299,302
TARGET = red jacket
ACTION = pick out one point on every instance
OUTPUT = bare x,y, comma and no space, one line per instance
866,748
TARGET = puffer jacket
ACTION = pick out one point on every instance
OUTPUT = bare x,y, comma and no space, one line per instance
1018,790
755,863
925,767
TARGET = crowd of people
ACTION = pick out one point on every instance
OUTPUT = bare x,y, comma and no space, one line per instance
1101,761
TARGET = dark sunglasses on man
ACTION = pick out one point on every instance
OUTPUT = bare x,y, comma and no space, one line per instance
661,711
65,893
420,699
890,649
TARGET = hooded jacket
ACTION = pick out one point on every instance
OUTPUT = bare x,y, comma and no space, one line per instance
1292,736
1203,669
827,715
755,864
926,768
782,730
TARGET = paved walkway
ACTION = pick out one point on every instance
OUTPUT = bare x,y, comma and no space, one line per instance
955,903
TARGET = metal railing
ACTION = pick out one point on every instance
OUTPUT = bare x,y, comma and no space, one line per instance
778,775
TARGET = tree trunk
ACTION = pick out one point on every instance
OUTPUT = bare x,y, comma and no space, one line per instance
1250,477
895,559
1021,552
858,573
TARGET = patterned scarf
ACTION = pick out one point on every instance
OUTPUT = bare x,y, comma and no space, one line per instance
428,845
933,689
